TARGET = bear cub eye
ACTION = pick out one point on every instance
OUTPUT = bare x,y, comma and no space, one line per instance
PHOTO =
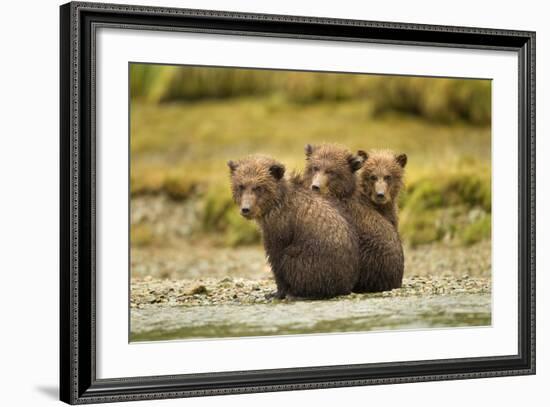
257,188
387,178
315,168
373,177
241,187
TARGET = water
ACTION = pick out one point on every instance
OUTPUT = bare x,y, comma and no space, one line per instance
302,317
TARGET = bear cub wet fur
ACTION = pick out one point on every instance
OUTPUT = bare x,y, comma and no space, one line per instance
311,247
331,171
381,178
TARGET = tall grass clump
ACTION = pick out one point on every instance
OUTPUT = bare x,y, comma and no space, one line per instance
142,78
171,83
436,99
440,100
455,207
312,87
176,184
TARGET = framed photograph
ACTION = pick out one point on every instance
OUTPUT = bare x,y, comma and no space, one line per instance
255,203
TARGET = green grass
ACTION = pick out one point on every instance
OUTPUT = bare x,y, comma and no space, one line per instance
439,100
183,139
447,205
476,231
181,150
436,99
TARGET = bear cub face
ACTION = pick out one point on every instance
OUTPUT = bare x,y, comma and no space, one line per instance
330,170
255,184
382,175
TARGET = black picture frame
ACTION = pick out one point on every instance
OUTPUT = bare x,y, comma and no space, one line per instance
78,382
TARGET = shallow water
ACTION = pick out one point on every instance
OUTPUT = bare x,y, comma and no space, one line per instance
160,322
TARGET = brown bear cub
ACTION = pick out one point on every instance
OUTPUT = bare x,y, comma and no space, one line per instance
381,178
312,249
330,170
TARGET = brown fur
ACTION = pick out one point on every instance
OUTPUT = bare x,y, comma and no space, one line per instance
380,249
312,250
381,179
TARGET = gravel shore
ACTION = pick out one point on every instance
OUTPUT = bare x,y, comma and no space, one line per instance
239,291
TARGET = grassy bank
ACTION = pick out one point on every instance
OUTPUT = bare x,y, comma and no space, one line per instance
179,150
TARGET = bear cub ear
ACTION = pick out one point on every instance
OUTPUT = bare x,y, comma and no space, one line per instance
363,155
401,160
232,166
357,161
308,149
277,171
